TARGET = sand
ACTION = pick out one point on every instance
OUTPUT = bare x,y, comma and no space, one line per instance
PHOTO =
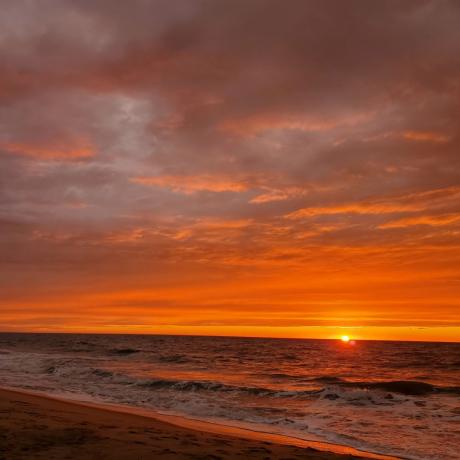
36,427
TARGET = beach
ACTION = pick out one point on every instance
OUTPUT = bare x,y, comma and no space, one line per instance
349,403
36,427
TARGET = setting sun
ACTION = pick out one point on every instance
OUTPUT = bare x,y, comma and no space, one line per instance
345,338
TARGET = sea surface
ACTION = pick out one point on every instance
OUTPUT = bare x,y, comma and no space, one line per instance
398,398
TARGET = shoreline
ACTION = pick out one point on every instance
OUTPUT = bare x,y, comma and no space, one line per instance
187,425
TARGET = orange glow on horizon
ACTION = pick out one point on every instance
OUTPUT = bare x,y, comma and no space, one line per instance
266,307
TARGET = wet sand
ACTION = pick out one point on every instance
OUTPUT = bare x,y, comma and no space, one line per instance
35,427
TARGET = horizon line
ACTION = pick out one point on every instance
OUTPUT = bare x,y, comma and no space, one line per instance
226,336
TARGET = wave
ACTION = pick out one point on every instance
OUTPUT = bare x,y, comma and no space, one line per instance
180,359
410,388
329,387
102,373
338,388
211,386
404,387
281,376
125,351
329,379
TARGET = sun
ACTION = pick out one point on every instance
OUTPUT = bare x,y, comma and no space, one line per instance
345,338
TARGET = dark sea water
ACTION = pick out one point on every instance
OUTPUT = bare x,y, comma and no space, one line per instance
399,398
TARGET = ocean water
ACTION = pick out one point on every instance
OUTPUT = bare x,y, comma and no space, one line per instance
398,398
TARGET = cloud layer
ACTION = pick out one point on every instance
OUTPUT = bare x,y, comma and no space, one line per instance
229,164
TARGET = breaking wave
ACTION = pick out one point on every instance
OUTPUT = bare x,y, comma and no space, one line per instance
335,387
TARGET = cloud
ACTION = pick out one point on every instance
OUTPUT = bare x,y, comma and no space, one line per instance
426,136
279,194
52,152
294,122
358,208
432,221
392,205
193,184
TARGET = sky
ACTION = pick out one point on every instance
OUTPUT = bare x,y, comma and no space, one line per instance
255,168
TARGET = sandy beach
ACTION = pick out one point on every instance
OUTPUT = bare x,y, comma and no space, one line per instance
35,427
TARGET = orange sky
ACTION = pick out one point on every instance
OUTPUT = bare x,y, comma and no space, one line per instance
237,168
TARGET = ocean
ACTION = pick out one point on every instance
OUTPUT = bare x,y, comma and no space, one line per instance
396,398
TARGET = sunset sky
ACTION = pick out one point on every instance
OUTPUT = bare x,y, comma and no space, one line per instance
244,167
